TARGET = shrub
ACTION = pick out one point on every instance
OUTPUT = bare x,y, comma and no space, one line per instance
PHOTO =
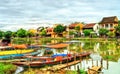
111,34
87,32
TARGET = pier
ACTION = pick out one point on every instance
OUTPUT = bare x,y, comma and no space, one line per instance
94,70
61,66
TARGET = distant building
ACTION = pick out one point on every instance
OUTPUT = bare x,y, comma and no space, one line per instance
93,26
73,25
50,32
109,23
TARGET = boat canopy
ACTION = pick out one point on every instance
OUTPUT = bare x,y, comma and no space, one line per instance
62,45
55,55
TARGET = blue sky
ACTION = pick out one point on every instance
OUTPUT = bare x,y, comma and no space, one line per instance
34,13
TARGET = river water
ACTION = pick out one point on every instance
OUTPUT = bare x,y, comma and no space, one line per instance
101,50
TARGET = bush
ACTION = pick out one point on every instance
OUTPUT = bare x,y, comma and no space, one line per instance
7,68
103,31
87,32
71,33
111,34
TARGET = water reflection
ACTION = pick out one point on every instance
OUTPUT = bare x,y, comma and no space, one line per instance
108,50
96,56
18,70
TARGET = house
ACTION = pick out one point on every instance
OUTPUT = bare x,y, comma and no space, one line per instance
109,23
50,32
78,31
93,26
73,25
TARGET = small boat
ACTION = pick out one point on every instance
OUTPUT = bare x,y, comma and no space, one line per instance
6,48
11,56
43,61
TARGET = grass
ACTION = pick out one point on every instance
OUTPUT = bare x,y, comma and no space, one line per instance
7,68
76,72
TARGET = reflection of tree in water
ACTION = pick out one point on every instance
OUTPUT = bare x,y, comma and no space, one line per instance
89,45
75,47
109,51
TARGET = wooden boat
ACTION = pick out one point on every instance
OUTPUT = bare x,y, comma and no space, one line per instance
6,48
57,46
43,61
19,55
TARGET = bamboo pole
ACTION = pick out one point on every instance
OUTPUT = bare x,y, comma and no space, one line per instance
107,63
92,62
101,62
78,70
97,62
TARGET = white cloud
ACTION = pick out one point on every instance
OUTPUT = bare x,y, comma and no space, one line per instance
55,11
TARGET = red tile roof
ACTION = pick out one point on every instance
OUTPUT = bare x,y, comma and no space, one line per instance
49,29
90,25
71,26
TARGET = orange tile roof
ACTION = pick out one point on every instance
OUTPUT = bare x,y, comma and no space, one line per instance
49,29
71,26
90,25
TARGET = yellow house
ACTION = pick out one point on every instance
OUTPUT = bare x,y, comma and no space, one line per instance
51,33
109,23
73,25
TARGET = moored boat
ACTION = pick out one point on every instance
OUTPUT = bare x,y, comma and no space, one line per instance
43,61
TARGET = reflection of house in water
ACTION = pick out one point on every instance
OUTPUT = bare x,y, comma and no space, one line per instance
97,47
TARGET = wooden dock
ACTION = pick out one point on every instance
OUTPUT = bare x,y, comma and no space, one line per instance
94,70
61,66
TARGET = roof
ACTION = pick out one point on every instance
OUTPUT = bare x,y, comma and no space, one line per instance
71,26
90,25
49,29
62,45
109,20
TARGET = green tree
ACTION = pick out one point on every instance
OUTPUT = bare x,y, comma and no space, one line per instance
71,33
21,33
117,28
8,34
59,29
43,33
1,34
77,28
30,34
14,34
87,32
103,32
111,34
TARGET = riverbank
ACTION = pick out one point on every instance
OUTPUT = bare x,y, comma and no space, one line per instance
7,68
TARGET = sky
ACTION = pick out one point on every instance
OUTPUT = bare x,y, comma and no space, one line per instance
15,14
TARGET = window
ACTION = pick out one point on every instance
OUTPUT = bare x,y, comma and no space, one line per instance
111,25
106,25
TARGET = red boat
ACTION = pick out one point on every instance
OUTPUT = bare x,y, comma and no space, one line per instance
43,61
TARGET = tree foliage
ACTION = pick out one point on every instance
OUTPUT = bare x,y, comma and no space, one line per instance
71,33
111,34
77,28
103,31
43,33
117,28
21,33
8,34
59,29
31,32
87,32
1,34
